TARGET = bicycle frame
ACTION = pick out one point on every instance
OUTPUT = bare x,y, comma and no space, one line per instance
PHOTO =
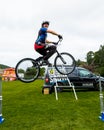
31,67
58,54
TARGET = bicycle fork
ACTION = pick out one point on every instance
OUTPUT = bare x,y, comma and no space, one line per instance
62,59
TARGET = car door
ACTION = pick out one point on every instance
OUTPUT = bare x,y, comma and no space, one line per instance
75,78
86,78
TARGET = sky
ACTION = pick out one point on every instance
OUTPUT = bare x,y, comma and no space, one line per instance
80,22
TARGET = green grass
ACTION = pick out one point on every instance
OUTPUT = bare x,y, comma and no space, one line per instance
26,108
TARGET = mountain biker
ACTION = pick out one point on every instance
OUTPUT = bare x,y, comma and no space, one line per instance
41,41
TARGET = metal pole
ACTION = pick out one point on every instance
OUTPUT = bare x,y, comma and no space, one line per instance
1,118
101,101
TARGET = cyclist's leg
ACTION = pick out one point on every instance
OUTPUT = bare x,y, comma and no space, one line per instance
42,51
49,52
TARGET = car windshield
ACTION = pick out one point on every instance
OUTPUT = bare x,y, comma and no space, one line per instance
84,73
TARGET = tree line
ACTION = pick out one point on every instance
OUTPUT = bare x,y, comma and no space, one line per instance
4,66
94,61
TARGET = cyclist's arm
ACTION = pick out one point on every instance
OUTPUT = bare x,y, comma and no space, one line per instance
52,32
47,41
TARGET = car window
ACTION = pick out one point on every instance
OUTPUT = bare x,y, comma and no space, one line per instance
73,74
84,73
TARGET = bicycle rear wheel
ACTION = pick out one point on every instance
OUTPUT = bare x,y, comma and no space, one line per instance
65,63
27,70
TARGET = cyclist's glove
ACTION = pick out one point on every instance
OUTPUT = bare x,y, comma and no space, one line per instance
55,43
60,37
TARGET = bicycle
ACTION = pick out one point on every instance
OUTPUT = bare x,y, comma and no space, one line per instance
27,70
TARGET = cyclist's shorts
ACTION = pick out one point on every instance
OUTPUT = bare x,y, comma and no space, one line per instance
38,46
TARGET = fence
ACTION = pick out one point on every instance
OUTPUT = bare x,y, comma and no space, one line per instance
1,118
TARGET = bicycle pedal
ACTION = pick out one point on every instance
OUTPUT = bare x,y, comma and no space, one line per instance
40,63
44,63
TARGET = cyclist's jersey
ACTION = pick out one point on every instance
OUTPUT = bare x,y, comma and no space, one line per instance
41,36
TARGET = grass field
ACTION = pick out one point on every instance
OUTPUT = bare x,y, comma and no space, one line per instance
26,108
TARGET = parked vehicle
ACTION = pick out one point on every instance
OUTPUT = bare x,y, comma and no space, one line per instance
83,78
80,77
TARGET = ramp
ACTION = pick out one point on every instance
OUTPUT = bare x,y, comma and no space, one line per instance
56,77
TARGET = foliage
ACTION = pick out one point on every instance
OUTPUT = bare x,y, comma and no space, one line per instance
95,61
99,57
90,57
42,71
21,71
79,62
3,66
100,70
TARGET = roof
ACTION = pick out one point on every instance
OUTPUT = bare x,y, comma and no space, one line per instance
10,69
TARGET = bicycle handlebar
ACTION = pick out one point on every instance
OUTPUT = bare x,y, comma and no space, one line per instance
56,43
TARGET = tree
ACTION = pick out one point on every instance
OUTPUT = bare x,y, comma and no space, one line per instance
95,60
99,57
90,57
42,71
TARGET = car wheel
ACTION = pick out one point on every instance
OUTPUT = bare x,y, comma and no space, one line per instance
97,86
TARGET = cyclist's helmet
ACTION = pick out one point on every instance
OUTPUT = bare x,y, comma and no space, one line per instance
45,22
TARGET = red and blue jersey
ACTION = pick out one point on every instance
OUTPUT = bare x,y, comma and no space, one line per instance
41,36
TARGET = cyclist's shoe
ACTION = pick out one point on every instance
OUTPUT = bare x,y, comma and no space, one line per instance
47,63
40,58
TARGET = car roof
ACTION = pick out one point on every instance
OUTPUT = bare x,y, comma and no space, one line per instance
81,68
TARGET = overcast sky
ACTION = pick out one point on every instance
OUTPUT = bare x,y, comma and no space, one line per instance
81,22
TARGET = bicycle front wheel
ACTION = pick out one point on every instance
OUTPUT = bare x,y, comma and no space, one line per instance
27,70
65,63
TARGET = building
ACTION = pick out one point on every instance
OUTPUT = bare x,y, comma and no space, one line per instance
1,72
9,74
